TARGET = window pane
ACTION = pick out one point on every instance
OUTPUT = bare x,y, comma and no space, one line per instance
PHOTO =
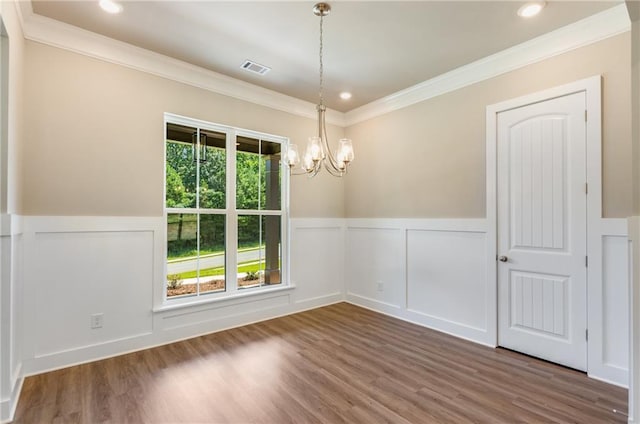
180,167
270,175
247,172
258,174
250,253
182,254
258,250
212,169
272,249
212,253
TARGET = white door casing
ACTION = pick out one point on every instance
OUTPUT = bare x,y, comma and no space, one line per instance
542,283
592,87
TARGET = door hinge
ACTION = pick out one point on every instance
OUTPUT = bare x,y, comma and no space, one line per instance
586,261
586,334
586,188
585,115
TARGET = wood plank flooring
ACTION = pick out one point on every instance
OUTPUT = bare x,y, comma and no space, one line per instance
337,364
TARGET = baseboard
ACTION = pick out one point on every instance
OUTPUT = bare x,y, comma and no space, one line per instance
318,302
453,329
115,348
8,406
373,304
608,380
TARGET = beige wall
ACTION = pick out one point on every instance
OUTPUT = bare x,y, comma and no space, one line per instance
94,137
93,140
428,160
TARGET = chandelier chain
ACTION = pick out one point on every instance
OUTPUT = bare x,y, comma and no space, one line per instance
321,63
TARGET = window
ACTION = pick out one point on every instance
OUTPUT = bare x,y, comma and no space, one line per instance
225,198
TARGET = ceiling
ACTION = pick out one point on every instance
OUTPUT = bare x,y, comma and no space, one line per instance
372,49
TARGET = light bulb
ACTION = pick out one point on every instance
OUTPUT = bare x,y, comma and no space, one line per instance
307,162
345,151
293,158
315,148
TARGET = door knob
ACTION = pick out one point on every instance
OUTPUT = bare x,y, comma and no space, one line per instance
503,259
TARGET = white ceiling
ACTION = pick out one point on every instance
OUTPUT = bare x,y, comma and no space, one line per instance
372,49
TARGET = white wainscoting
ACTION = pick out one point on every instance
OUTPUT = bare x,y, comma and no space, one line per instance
614,302
634,315
10,314
446,280
437,273
608,305
91,272
376,274
5,325
429,271
317,260
79,266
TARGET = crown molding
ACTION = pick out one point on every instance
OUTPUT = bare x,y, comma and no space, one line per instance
24,9
59,34
595,28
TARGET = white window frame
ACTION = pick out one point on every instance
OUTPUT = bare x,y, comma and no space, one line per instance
231,217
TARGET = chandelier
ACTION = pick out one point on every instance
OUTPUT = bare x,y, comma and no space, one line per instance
318,154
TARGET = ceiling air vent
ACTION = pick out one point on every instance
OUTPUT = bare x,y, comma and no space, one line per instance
254,67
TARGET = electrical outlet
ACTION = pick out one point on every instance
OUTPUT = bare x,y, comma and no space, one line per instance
380,286
96,321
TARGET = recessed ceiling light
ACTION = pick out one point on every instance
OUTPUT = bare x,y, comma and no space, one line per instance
110,6
345,95
531,9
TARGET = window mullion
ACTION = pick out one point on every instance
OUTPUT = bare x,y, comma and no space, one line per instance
260,207
261,212
231,241
182,210
284,221
260,175
197,158
261,249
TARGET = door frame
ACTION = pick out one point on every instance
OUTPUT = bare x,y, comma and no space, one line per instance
592,88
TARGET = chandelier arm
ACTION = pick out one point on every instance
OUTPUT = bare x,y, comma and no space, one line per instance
323,136
332,163
316,168
331,170
300,172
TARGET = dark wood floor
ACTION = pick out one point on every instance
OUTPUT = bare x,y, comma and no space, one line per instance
338,364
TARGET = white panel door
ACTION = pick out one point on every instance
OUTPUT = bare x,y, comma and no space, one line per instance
542,279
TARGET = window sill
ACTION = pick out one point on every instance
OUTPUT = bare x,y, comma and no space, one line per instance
170,306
